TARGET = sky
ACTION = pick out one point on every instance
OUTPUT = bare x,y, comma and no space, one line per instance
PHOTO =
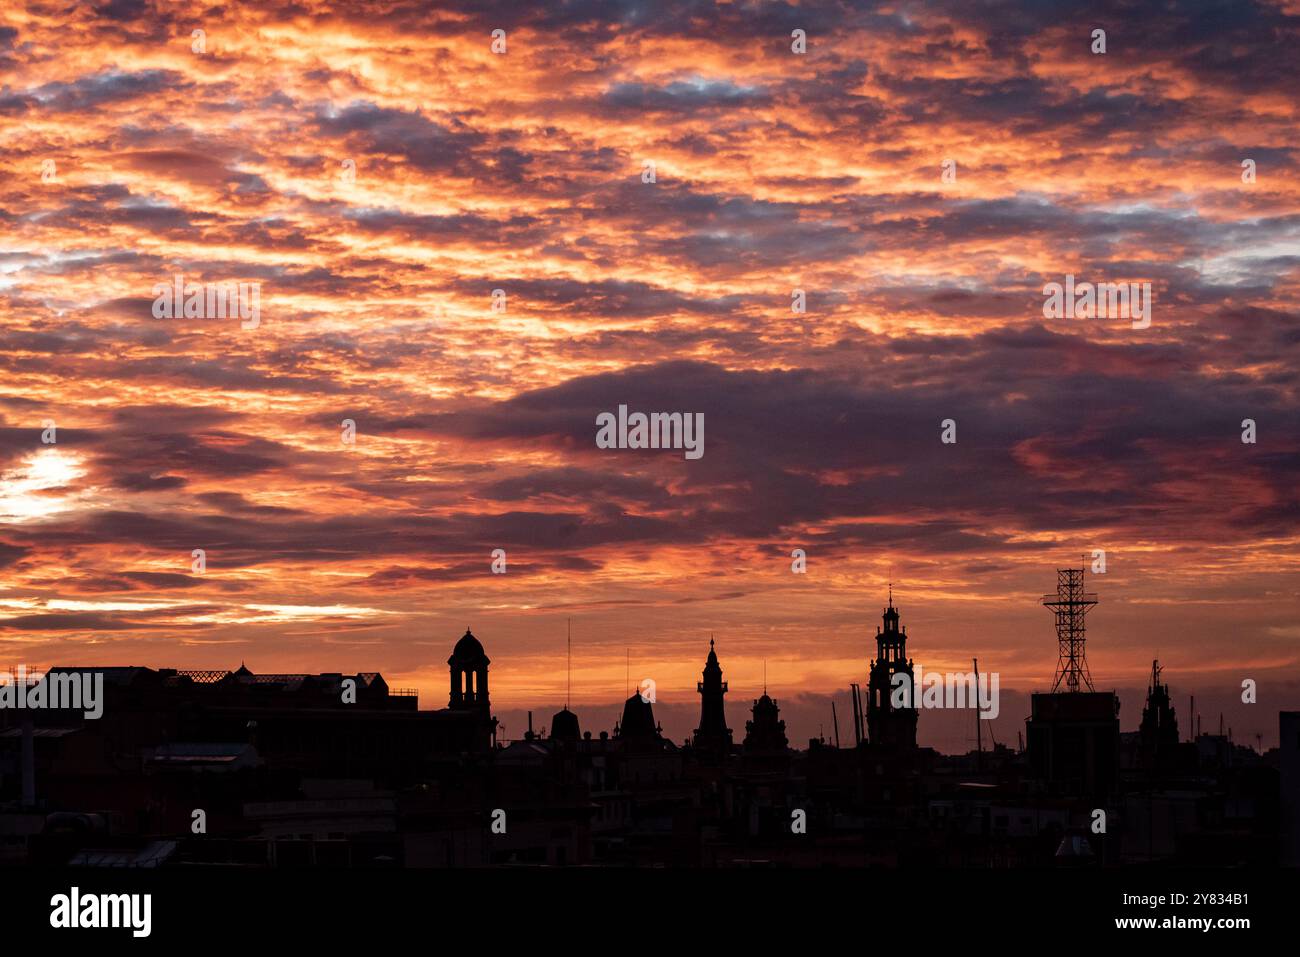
470,248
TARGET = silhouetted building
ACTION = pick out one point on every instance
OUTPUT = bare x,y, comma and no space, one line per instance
766,732
1073,741
168,722
1159,729
564,726
469,676
713,733
1072,735
888,726
1289,746
638,730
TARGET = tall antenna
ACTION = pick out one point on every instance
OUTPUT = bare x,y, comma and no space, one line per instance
627,673
568,691
764,676
1071,604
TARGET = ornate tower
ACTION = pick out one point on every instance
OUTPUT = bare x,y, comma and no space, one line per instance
469,676
713,733
1159,729
888,726
766,733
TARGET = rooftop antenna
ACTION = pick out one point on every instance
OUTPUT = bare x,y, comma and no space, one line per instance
568,691
765,676
1070,604
627,673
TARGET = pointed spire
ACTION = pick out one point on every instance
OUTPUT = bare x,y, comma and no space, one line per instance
713,733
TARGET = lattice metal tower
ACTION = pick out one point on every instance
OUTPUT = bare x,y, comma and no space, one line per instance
1071,604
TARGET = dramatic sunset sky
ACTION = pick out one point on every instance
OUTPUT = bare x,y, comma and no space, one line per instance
774,171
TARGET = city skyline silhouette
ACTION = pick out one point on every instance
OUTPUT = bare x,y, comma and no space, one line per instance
472,456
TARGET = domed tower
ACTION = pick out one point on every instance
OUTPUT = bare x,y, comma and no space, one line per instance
564,726
766,732
886,725
469,676
713,733
638,730
638,718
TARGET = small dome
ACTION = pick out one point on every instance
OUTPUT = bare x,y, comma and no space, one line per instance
467,649
565,725
638,719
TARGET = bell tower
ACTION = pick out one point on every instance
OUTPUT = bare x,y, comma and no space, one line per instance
887,725
469,676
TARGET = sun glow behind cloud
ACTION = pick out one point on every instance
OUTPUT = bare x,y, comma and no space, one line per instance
40,487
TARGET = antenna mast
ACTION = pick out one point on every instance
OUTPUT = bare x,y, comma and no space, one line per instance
1070,604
